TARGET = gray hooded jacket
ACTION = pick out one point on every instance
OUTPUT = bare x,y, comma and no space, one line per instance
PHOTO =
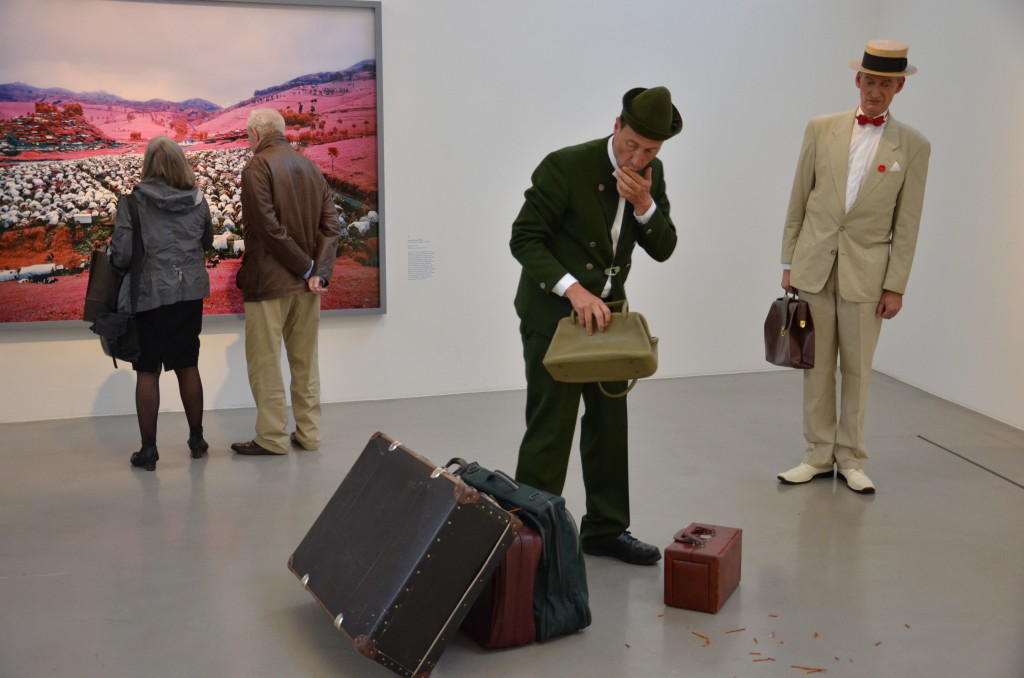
176,229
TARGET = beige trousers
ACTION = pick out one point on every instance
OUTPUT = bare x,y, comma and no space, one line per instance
294,320
848,331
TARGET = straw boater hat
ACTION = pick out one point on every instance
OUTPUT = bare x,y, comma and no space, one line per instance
650,113
884,57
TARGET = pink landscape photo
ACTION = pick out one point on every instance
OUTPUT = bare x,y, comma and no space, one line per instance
75,120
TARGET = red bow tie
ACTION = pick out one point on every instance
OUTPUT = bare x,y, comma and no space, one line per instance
866,120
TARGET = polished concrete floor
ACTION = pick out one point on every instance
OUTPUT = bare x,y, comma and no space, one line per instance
110,571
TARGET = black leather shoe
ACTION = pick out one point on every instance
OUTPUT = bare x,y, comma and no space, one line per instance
626,548
146,457
197,445
251,448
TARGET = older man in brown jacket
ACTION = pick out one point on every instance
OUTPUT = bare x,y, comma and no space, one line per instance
291,232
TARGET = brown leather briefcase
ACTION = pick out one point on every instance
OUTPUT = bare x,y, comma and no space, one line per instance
789,333
702,566
503,614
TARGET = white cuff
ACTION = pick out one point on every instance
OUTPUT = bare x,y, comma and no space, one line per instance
565,283
646,216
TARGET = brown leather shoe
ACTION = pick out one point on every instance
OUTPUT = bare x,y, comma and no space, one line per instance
251,448
626,548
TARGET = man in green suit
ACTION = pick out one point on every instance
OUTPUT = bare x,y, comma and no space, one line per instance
848,244
587,208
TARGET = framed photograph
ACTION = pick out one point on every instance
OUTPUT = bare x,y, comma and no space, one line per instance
84,85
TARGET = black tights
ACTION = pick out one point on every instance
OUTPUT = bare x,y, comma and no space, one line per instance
147,400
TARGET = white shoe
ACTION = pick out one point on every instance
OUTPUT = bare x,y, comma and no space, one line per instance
805,473
857,481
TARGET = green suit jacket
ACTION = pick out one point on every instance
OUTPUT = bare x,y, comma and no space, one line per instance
875,241
565,227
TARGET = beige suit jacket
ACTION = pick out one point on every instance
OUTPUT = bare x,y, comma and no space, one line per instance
873,245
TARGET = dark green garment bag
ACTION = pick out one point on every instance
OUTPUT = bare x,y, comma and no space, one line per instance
560,595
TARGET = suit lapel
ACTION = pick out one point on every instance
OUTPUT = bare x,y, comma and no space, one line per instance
603,185
839,154
884,156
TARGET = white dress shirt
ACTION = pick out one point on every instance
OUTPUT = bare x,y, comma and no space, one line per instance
863,147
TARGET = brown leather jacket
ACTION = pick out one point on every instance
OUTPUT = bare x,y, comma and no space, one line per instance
288,222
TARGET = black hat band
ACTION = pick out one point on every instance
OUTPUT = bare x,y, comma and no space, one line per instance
884,64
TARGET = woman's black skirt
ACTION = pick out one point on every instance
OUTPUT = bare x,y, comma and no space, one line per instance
169,336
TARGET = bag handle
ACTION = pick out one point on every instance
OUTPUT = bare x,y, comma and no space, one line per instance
617,395
461,463
698,536
464,466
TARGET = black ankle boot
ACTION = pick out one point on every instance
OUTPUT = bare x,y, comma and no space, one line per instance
146,456
196,443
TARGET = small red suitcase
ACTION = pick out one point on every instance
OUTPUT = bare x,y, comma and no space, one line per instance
702,566
503,614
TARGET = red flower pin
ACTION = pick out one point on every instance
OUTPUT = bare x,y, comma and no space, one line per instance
881,168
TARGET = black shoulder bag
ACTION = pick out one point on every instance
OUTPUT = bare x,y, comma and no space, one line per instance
119,335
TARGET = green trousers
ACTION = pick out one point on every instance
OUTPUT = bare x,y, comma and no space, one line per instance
552,409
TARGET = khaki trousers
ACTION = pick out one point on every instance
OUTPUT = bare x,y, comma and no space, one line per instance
848,331
294,320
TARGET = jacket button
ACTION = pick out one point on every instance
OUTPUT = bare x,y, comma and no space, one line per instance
543,286
832,252
593,244
649,231
842,228
600,187
590,267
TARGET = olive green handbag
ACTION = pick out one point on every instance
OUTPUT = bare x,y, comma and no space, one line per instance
625,351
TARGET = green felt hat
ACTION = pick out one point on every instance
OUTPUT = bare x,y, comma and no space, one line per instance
650,113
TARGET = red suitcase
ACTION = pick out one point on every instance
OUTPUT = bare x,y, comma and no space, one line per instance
702,566
503,614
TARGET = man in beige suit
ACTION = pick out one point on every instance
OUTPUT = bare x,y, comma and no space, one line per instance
849,241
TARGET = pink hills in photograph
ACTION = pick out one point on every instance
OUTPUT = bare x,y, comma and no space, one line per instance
322,110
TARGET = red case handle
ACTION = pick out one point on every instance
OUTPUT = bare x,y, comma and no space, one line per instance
698,536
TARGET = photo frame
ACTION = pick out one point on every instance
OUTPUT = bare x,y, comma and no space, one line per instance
74,120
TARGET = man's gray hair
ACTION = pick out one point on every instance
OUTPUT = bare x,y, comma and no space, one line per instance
266,122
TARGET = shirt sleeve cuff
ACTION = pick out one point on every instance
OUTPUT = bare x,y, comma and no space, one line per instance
646,216
565,283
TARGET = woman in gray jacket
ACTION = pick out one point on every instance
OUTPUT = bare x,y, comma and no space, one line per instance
176,229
